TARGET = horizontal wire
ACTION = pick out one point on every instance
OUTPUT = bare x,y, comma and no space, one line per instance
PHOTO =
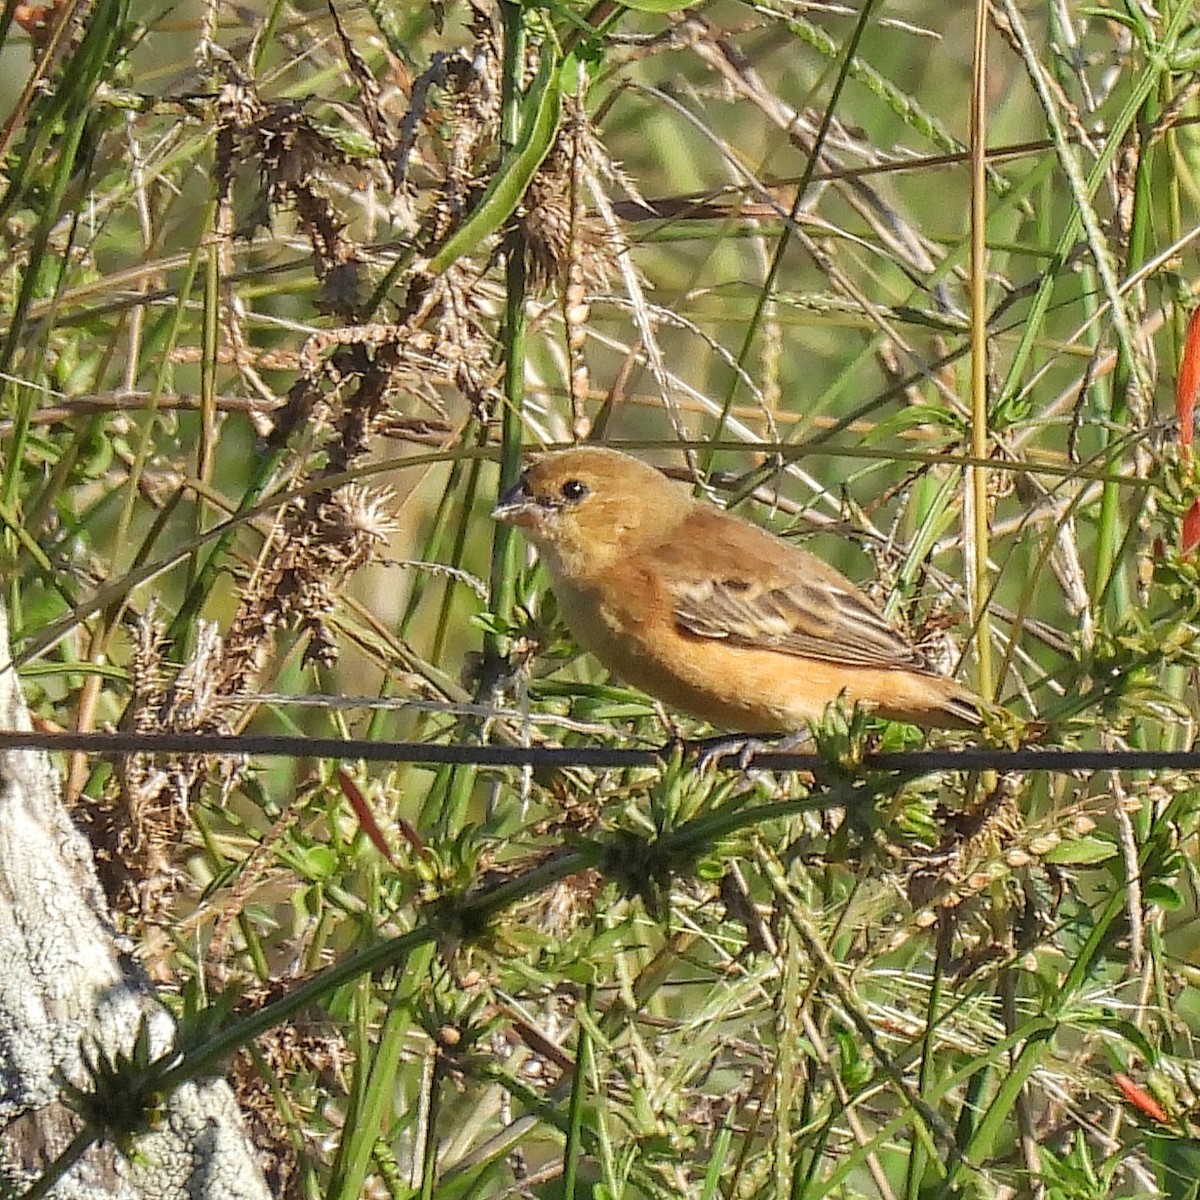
737,756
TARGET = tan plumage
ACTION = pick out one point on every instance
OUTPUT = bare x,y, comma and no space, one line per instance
709,613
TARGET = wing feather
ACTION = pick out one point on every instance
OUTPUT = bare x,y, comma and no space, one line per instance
774,596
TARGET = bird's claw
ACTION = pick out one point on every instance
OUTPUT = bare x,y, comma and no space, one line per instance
717,751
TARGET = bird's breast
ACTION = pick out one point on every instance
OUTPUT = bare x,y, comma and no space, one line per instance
610,618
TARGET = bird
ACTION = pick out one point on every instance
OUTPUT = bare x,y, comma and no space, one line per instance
709,613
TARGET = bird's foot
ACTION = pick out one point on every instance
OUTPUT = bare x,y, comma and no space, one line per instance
740,750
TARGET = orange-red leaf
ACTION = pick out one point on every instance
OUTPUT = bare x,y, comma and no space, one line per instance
366,818
1188,383
1189,537
1141,1099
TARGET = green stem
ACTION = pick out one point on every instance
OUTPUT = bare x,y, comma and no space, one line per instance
429,1157
917,1159
980,533
1125,377
365,1124
571,1150
504,543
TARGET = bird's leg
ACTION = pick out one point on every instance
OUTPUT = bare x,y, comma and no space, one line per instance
743,748
708,751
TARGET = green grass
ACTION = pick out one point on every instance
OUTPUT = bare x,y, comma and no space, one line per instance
283,302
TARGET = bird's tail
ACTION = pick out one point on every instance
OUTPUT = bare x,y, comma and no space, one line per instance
962,707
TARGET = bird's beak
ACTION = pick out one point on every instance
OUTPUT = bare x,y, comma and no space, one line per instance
516,507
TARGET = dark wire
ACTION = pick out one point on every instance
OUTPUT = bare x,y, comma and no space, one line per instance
910,762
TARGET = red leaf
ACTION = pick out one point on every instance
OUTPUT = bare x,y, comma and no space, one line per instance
366,818
1188,383
1141,1099
1189,537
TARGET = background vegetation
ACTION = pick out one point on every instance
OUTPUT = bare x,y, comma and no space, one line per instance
287,290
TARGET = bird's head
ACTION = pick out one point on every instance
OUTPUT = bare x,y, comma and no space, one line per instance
584,508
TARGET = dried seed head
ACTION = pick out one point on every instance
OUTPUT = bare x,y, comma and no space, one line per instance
365,514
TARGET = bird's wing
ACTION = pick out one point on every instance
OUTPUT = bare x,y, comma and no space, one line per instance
773,596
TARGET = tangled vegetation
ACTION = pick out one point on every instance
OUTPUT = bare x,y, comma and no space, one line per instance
291,287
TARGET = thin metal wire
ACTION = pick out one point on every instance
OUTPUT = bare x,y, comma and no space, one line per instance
737,757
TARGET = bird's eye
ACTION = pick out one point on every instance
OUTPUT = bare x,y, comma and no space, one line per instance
573,490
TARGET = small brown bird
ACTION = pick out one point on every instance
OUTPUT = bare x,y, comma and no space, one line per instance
709,613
